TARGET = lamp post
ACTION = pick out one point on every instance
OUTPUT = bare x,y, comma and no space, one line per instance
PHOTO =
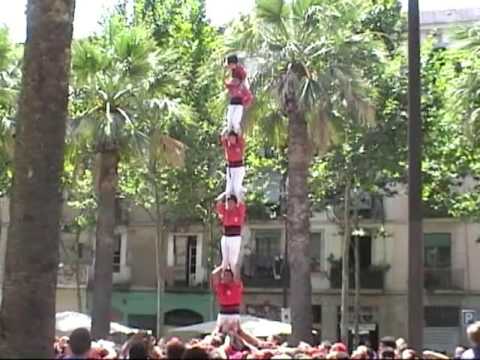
415,232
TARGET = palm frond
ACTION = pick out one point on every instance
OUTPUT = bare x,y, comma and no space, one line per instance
167,150
271,11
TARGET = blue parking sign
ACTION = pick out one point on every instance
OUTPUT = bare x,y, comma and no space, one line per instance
468,317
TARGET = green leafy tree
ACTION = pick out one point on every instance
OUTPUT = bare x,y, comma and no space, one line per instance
118,84
9,87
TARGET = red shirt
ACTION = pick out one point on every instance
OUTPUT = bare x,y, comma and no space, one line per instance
237,89
234,152
239,73
233,216
229,294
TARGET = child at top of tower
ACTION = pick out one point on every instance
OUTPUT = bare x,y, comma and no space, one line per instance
239,93
238,71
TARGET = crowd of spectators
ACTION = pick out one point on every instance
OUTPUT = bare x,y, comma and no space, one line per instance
143,346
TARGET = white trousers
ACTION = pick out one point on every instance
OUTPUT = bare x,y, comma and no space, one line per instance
227,323
230,251
234,118
234,177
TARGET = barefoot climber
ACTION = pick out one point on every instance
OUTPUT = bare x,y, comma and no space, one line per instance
232,217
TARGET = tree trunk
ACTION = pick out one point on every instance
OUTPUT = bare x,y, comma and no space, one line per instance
105,236
357,275
28,310
159,260
298,227
345,310
77,272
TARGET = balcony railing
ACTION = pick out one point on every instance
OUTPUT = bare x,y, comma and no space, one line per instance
264,271
370,279
66,275
121,278
444,278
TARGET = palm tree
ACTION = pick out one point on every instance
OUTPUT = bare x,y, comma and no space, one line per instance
308,53
30,279
118,83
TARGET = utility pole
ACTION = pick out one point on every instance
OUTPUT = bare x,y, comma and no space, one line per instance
415,232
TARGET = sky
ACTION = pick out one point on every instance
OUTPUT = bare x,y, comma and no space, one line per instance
89,12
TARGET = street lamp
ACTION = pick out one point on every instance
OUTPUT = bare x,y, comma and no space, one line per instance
415,232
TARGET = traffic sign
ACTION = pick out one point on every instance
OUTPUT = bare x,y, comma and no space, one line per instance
469,317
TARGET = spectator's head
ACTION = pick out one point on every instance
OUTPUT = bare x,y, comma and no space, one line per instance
232,201
325,346
175,349
80,342
459,350
339,347
473,332
195,352
387,353
227,276
409,354
274,340
232,137
337,355
138,351
401,344
388,342
232,61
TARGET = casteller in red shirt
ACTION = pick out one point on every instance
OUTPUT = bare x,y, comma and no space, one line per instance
239,72
233,216
234,150
229,294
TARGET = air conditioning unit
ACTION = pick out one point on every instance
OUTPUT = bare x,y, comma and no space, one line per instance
365,202
286,315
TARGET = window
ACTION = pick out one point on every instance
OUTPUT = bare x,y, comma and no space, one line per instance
365,250
442,316
185,258
117,253
80,251
267,243
192,257
317,314
119,249
437,250
315,250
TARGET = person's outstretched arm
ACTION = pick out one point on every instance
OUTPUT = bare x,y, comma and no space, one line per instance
215,277
252,340
220,206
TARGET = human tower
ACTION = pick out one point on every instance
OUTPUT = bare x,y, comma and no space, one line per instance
226,280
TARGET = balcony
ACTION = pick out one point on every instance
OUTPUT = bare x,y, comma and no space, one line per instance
370,279
264,271
444,279
177,279
66,275
123,276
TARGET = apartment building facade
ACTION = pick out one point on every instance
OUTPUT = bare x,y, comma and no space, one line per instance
452,284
